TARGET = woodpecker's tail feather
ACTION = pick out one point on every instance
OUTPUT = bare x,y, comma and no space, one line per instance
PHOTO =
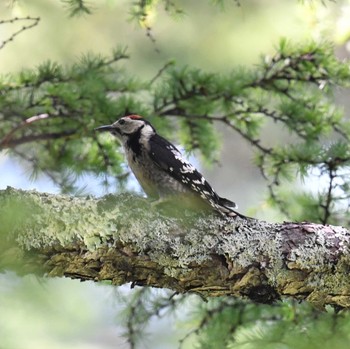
227,203
227,208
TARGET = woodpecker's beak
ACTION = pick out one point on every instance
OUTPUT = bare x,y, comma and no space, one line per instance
104,128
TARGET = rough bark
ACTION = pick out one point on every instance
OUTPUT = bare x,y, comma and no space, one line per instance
121,239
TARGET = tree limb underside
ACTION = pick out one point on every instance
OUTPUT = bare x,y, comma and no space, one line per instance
120,239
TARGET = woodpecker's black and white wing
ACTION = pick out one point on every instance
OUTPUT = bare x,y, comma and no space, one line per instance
169,159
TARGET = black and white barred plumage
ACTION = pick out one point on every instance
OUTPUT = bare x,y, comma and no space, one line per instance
159,166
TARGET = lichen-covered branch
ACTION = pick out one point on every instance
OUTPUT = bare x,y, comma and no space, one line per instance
121,239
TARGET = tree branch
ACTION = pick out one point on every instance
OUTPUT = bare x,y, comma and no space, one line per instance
118,238
10,143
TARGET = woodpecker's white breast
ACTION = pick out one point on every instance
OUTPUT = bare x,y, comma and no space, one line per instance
154,180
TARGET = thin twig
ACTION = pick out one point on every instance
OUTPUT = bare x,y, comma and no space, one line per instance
19,31
5,141
160,72
39,137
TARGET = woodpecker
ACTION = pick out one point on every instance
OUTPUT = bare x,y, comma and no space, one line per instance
160,168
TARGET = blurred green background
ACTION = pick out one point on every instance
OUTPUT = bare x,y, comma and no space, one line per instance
64,313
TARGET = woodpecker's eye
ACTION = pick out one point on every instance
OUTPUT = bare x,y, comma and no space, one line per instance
121,122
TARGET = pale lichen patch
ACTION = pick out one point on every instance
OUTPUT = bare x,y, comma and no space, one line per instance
265,250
